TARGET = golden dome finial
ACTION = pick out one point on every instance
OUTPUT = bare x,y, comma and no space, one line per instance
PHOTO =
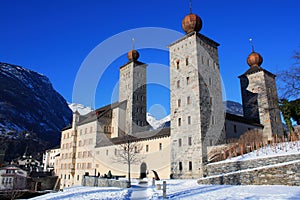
133,55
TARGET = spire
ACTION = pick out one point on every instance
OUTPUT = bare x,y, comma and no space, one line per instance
251,41
191,22
254,58
133,55
132,43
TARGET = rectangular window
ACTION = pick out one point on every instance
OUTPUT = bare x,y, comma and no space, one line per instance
209,81
160,146
186,61
188,100
187,80
178,84
210,142
177,64
212,120
179,121
190,141
147,148
234,128
179,102
180,166
135,149
107,152
190,165
179,142
77,177
189,119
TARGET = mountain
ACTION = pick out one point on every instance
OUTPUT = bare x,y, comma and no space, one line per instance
32,113
83,110
233,107
230,107
156,124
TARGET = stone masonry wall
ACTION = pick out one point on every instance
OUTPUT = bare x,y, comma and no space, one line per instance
226,167
101,182
283,170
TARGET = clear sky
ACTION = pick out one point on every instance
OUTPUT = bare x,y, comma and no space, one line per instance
54,37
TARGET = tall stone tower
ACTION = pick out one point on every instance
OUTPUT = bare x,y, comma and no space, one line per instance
259,96
132,91
197,116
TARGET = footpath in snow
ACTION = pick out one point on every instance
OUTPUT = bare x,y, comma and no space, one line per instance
177,189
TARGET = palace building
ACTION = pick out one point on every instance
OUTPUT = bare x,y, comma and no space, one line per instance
92,143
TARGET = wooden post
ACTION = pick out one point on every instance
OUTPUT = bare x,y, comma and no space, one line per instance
153,182
164,189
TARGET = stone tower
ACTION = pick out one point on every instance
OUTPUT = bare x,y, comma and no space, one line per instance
259,96
132,90
197,116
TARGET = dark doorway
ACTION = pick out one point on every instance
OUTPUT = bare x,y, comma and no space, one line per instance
143,170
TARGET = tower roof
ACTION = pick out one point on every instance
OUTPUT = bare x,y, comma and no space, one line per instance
254,59
133,55
191,22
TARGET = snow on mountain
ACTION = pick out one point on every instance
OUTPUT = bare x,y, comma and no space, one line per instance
83,110
233,107
29,106
157,123
229,106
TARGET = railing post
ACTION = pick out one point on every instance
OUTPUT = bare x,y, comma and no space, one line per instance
164,189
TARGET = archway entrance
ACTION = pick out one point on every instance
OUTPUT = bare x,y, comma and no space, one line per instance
143,170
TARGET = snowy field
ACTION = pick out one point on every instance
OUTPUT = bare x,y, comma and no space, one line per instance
189,189
177,189
281,149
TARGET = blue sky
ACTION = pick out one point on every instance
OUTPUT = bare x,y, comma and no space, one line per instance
55,37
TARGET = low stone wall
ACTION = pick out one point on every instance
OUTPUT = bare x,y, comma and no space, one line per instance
103,182
227,167
280,174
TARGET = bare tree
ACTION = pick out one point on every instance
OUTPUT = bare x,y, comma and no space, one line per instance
129,153
290,79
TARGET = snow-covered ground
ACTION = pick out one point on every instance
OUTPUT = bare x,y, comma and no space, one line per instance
177,189
281,149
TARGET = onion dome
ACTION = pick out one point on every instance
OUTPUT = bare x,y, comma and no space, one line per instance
254,59
133,55
191,22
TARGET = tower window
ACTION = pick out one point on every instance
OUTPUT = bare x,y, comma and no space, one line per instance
190,141
190,165
209,81
212,120
179,102
187,80
186,61
189,119
177,64
210,100
180,166
234,128
188,100
179,121
178,84
107,152
179,142
147,148
160,146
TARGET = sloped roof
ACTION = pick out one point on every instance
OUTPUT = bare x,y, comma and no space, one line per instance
255,69
241,119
